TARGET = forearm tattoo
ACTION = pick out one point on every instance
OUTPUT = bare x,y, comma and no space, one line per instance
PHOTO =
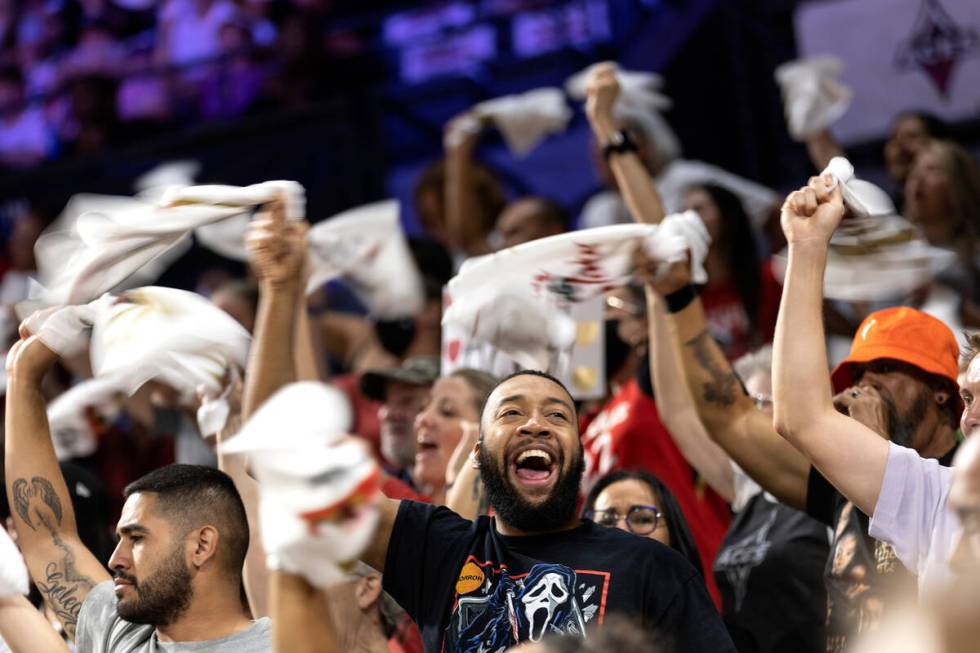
724,385
63,587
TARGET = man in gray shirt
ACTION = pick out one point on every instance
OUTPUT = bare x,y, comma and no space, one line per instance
176,581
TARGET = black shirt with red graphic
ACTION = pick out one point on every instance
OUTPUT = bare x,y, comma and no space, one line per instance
471,589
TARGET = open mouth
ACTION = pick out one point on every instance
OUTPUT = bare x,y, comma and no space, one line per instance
425,448
534,467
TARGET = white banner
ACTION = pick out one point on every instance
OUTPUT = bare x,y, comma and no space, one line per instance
898,55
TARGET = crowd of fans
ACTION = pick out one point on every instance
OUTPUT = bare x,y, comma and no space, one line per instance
78,75
729,491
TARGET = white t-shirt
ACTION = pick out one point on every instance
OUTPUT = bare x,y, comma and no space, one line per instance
911,515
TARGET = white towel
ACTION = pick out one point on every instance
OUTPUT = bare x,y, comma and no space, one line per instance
319,488
519,299
863,198
103,241
13,571
813,98
640,103
526,119
366,246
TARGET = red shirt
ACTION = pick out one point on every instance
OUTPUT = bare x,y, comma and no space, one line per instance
366,422
628,434
728,320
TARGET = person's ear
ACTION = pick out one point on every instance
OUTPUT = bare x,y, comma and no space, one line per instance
204,545
368,591
475,454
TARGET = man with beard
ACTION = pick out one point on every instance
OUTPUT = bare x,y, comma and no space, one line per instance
535,568
183,537
927,512
899,379
403,391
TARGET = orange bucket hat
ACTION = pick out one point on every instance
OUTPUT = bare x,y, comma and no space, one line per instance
902,334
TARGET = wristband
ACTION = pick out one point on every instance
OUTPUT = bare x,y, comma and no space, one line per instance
619,142
678,300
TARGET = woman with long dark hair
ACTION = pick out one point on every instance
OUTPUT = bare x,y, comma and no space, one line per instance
741,298
638,502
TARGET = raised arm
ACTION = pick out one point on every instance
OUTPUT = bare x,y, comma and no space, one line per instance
62,568
849,454
462,204
25,630
465,493
277,249
676,406
728,414
631,175
301,621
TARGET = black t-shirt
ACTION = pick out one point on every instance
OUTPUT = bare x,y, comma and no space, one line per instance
861,572
769,572
471,589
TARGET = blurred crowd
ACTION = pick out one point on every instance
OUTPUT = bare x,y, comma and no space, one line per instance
78,75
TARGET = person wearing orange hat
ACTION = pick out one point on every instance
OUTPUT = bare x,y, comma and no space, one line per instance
927,512
899,380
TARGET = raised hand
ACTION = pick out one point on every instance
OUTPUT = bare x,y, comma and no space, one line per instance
866,405
602,89
812,213
663,278
277,246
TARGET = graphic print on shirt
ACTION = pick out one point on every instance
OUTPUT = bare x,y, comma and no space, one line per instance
738,560
495,610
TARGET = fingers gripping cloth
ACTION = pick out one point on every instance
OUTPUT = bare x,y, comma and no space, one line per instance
813,98
680,235
366,246
640,103
65,330
319,488
104,241
875,254
863,198
526,119
13,571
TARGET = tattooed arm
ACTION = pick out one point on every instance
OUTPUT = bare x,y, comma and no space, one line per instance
63,569
731,418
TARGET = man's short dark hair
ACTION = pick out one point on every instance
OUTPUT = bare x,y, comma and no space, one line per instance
191,496
543,375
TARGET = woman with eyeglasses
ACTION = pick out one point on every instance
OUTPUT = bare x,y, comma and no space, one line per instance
639,503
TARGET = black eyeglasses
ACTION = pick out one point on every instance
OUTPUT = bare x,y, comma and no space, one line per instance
640,520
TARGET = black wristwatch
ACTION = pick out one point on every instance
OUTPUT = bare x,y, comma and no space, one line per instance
619,142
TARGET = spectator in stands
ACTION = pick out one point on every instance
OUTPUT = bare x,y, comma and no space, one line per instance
232,83
741,296
25,139
638,502
403,392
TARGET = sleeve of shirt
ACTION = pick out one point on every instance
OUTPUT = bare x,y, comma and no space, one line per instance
420,551
96,617
912,497
820,498
691,623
